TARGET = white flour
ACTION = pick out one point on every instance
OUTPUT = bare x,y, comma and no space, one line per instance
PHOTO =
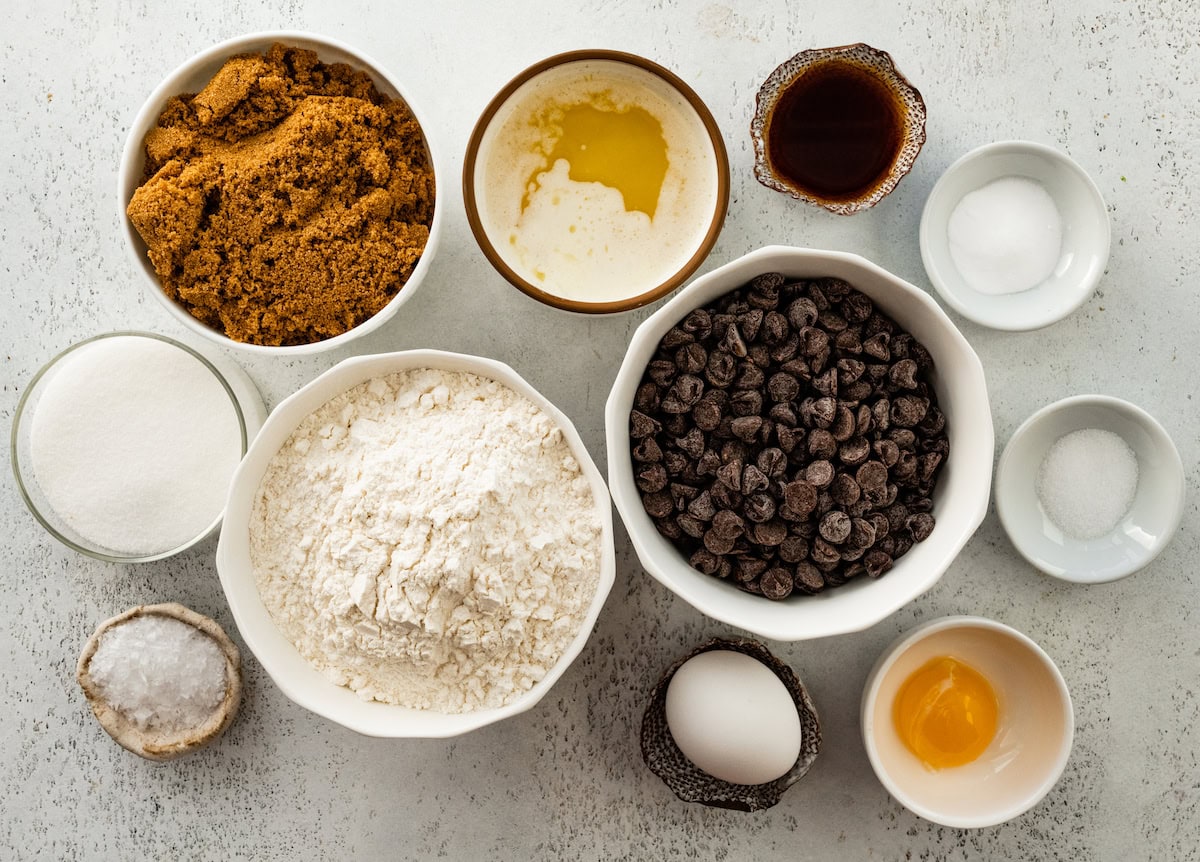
427,539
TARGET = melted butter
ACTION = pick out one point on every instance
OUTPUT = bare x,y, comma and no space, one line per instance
946,713
624,150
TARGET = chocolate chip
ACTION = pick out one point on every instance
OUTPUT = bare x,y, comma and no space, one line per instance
704,560
718,542
793,549
842,428
721,369
676,337
854,452
691,443
877,346
844,490
728,523
733,342
703,507
772,462
691,525
821,444
824,552
801,497
820,473
651,478
706,414
770,533
783,387
807,578
758,508
871,475
776,583
746,402
908,410
748,569
877,563
835,527
920,526
646,449
698,323
747,427
691,358
775,328
904,374
641,425
658,505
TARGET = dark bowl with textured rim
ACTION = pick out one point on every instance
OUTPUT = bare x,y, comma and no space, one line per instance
689,782
714,219
877,63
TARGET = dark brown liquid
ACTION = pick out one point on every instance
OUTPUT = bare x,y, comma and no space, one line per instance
835,131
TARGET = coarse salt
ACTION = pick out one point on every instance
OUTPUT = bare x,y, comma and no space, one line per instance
134,442
1005,237
160,673
1087,482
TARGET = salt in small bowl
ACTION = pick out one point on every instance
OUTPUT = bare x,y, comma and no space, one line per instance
1140,535
1086,235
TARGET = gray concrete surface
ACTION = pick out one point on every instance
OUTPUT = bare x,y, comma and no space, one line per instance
1113,83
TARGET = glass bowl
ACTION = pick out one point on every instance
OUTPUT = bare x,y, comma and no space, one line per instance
20,452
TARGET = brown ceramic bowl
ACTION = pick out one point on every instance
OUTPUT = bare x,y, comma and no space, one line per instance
148,743
883,83
505,185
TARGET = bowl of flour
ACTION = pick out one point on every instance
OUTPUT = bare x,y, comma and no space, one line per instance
417,544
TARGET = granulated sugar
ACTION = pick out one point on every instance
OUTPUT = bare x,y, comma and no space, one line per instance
133,442
160,673
1087,482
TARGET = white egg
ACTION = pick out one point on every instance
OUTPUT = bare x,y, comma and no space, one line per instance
731,716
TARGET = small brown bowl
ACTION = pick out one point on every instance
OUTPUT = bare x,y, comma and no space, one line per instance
712,217
850,61
690,783
146,743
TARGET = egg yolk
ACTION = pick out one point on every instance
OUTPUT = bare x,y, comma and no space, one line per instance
946,713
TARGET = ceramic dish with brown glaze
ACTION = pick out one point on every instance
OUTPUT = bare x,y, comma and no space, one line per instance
147,743
596,181
837,128
689,782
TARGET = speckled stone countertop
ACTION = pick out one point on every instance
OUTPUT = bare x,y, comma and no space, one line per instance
1113,82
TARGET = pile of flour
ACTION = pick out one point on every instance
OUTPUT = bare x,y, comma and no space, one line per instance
427,539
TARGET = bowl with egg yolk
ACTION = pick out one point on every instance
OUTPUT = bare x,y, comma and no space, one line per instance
966,722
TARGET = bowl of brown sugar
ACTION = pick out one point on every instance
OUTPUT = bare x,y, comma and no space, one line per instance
278,191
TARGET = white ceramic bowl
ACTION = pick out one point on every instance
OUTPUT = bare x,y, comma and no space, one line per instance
191,77
960,499
1085,243
291,672
1146,528
1034,732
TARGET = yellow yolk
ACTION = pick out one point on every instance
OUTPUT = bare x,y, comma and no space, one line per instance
624,150
946,713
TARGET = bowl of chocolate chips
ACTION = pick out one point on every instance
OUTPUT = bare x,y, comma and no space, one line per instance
799,443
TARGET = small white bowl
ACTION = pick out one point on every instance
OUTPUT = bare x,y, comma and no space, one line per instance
960,499
1146,528
191,77
1034,732
298,679
1085,242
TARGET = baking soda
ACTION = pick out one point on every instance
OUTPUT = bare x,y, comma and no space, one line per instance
1087,482
1006,237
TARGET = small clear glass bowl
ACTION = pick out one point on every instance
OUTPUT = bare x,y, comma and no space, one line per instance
32,493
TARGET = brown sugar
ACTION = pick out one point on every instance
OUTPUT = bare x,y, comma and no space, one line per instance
287,202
